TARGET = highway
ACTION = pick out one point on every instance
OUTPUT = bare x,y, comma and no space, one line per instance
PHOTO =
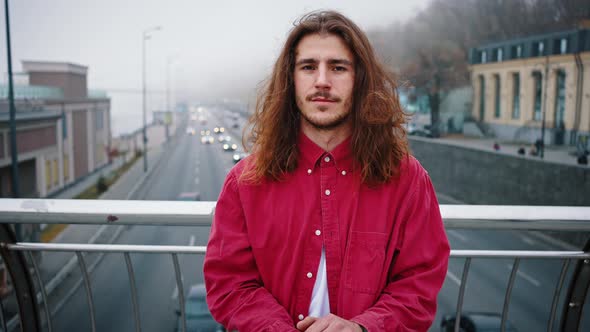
190,166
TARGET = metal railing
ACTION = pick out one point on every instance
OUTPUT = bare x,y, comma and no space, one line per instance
174,213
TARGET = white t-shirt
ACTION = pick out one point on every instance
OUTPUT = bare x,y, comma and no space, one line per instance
320,302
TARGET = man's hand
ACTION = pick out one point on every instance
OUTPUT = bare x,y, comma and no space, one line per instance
329,323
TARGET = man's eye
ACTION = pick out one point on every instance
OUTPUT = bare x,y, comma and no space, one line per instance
339,68
308,67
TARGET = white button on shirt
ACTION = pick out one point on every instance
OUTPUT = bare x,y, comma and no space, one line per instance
327,159
327,192
343,172
309,171
309,275
300,317
318,232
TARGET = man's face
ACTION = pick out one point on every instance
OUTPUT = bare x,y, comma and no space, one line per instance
324,79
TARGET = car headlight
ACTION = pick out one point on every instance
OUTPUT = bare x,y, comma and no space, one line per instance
234,146
225,146
236,157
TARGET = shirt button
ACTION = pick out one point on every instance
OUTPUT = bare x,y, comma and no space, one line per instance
318,232
343,172
309,275
327,192
309,171
300,317
327,159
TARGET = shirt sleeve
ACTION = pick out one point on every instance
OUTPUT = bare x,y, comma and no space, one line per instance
235,294
418,270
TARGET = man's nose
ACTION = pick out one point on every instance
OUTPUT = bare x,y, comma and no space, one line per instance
322,78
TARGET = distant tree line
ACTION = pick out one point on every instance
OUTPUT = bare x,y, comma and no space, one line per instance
430,51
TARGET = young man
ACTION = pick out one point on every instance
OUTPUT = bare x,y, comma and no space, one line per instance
330,224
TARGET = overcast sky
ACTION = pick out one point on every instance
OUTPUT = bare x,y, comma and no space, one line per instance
219,47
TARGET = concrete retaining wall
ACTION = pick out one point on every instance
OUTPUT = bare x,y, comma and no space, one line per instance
486,177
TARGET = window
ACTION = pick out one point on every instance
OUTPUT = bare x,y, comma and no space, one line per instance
497,96
47,174
55,173
482,97
516,52
538,95
64,125
539,48
66,167
499,55
99,120
515,96
563,46
560,99
483,57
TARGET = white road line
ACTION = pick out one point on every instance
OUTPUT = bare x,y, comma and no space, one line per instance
457,235
192,241
525,276
197,169
197,181
528,240
454,278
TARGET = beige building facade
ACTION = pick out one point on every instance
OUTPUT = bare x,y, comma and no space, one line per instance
63,134
521,86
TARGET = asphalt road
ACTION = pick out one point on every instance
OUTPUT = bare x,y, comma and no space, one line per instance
191,166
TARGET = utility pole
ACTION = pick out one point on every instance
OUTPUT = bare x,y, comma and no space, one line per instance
145,37
13,149
543,111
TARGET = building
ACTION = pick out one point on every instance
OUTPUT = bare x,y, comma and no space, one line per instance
523,85
63,131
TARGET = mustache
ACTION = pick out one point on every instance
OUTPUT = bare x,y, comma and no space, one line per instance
323,94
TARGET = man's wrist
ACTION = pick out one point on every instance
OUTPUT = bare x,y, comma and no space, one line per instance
363,329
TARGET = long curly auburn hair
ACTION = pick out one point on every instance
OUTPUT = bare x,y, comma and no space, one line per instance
378,141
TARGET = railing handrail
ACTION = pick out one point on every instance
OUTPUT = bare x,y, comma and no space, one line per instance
180,213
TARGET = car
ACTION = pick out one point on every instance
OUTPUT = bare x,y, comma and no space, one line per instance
198,316
476,322
207,139
239,156
190,131
189,196
230,147
224,139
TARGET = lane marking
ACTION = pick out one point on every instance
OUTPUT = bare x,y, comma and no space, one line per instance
192,241
528,240
454,278
197,181
525,276
457,235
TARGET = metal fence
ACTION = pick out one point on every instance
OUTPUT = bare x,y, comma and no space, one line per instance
33,313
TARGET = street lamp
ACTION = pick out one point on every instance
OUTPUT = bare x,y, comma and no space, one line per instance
146,36
169,62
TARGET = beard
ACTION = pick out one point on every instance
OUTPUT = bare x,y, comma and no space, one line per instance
326,124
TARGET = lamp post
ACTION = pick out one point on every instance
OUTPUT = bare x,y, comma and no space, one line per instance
13,148
145,37
543,111
169,62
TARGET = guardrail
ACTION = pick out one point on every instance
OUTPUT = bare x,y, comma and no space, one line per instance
166,213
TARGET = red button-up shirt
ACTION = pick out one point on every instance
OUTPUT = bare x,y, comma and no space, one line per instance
386,248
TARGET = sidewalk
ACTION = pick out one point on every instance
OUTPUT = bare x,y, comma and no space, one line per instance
553,153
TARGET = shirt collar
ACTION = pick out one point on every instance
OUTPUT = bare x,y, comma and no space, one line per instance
311,153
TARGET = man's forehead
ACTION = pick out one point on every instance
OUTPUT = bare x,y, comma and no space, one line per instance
323,47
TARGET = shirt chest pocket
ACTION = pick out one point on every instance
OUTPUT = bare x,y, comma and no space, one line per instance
365,263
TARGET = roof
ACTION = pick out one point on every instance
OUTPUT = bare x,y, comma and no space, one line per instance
53,67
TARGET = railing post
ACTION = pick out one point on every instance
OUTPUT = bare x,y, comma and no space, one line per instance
576,295
22,282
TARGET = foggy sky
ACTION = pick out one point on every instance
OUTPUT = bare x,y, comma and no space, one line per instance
220,48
